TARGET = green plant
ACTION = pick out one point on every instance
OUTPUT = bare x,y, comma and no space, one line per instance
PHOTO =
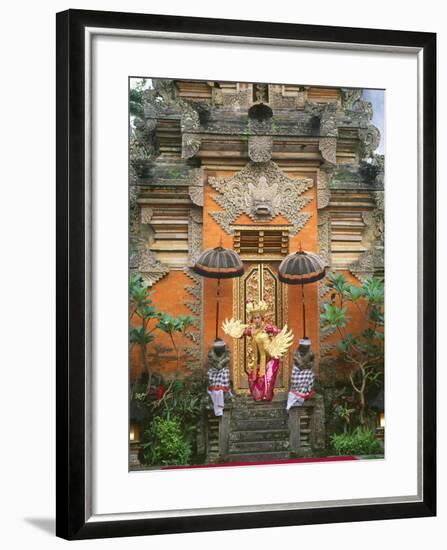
165,443
359,442
136,98
184,400
344,412
363,351
172,325
141,308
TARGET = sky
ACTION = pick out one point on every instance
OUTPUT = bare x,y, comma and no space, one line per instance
377,98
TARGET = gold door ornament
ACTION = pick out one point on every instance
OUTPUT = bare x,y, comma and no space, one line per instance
259,282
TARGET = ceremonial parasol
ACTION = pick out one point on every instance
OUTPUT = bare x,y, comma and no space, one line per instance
218,263
301,268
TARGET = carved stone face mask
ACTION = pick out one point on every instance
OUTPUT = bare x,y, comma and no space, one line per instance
262,198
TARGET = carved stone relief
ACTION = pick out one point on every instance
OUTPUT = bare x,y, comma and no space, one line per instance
262,191
150,268
195,190
349,97
146,214
237,100
328,149
324,236
195,242
279,101
195,227
194,351
190,145
323,191
369,141
260,148
328,121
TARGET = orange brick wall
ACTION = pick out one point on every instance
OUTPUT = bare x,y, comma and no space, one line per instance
169,296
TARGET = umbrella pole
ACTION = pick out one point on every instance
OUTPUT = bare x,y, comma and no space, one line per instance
217,306
304,311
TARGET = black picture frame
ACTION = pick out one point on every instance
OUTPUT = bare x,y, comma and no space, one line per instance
71,514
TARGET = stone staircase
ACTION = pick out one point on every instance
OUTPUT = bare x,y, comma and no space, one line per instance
258,431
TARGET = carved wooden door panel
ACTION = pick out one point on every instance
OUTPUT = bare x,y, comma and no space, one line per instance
259,282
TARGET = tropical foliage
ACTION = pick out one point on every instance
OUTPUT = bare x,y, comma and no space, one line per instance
164,443
170,409
361,352
359,442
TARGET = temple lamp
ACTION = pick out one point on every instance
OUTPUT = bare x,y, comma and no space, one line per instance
135,418
301,268
378,405
218,263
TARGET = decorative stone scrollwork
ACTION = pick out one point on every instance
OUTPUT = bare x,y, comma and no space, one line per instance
195,190
328,124
217,96
150,268
369,141
261,92
190,145
190,120
260,148
280,101
262,191
237,100
194,352
195,242
380,199
349,97
195,234
328,149
146,214
369,263
150,117
324,237
323,191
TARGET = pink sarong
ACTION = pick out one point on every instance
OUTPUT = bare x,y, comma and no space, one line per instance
262,387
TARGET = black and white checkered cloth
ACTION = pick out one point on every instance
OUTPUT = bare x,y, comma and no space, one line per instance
302,380
219,378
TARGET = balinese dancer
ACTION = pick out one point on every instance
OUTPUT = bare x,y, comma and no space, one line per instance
218,375
269,344
302,378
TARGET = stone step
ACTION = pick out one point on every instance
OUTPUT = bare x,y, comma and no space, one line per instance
280,403
242,424
248,400
259,435
259,413
258,446
258,457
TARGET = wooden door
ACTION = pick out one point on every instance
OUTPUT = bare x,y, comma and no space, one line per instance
259,282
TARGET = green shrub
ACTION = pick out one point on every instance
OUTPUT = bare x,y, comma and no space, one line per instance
359,442
165,443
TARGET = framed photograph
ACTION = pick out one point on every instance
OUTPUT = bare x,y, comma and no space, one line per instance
246,274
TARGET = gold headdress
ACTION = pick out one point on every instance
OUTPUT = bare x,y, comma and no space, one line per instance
256,308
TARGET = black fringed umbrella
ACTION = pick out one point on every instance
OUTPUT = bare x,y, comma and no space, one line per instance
301,268
218,263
